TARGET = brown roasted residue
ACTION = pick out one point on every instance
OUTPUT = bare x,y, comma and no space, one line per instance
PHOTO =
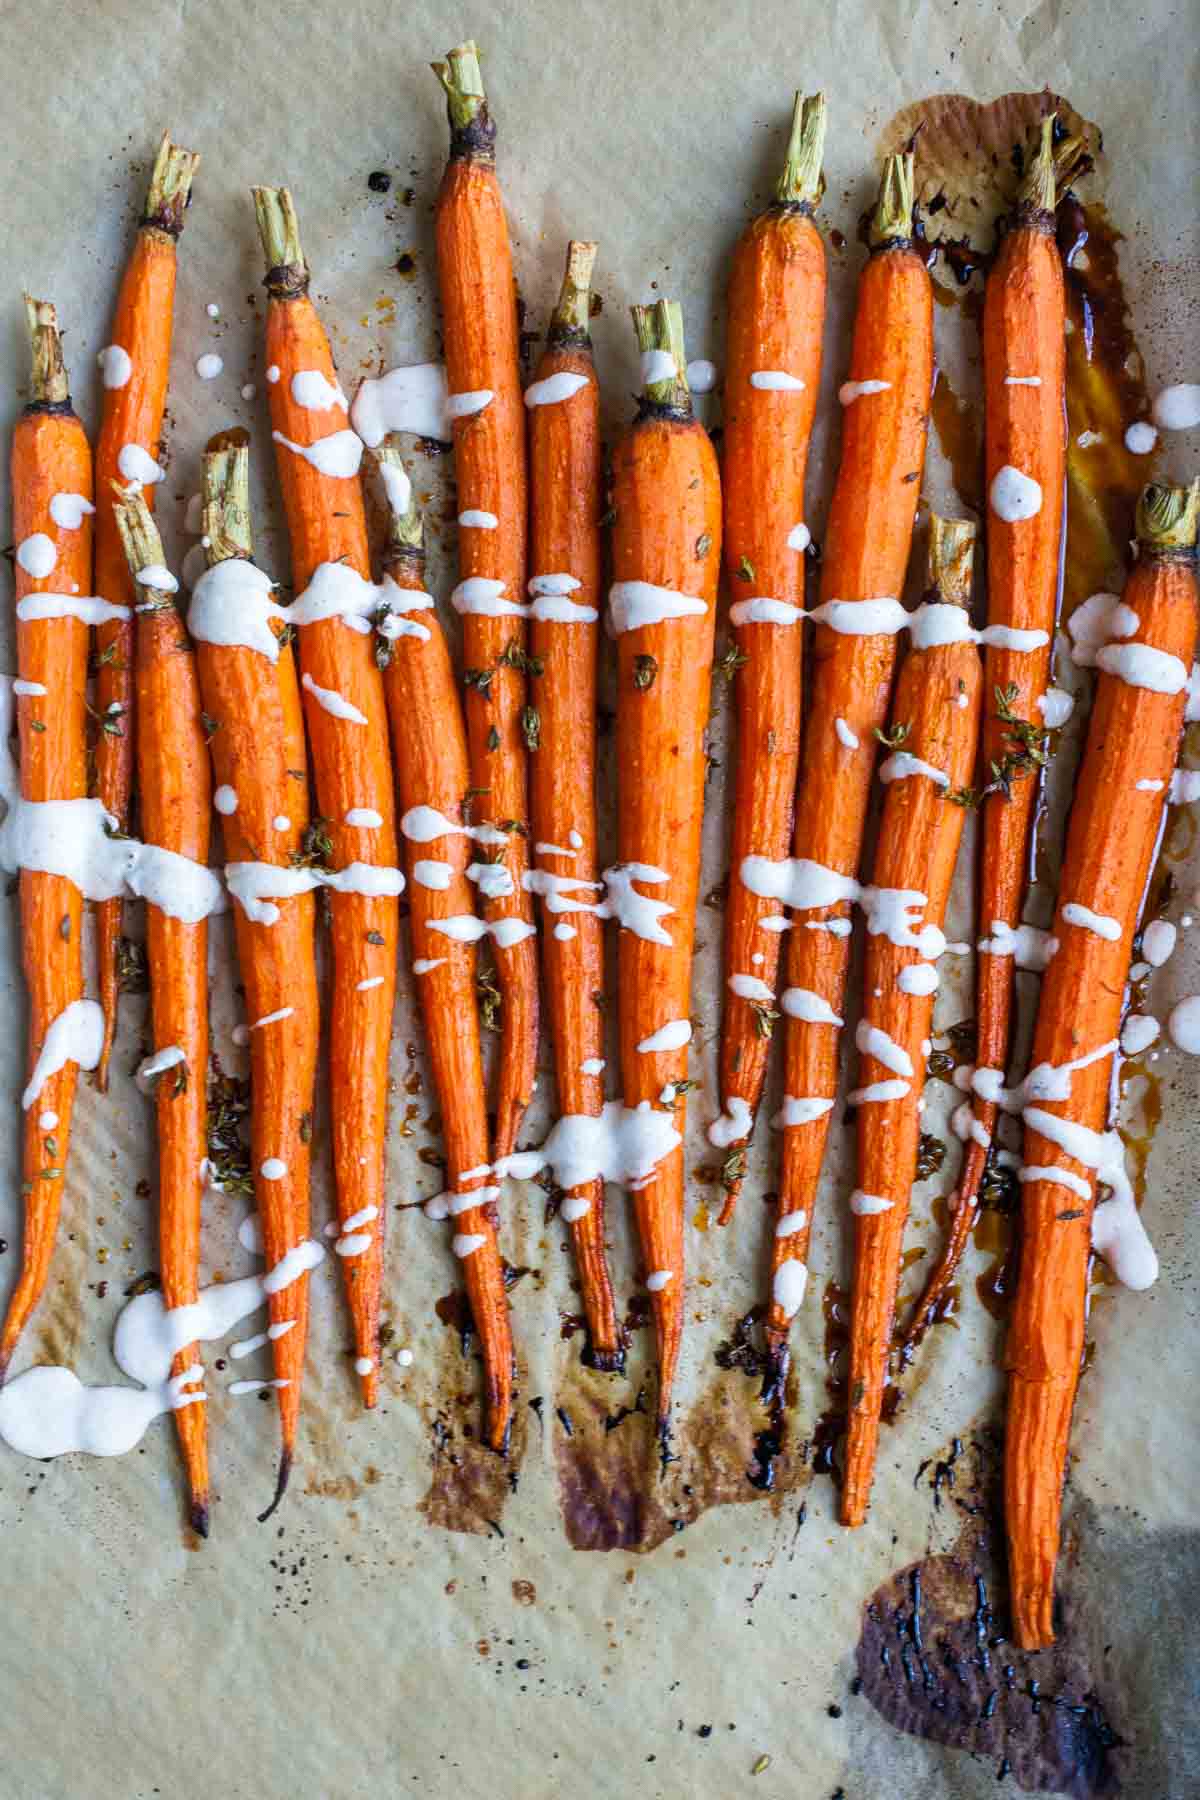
471,1483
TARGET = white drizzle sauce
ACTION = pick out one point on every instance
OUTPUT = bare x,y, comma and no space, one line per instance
812,1008
1138,1033
412,399
788,1285
634,604
762,610
1014,496
1142,666
919,978
1056,707
864,1205
76,1035
466,405
850,391
476,519
1022,381
1030,947
1158,942
799,537
901,765
136,465
1073,913
872,1041
330,701
732,1125
658,1279
750,987
311,390
845,735
701,376
337,455
209,366
800,1110
658,365
68,510
37,555
671,1036
776,381
1177,408
116,366
554,388
594,1065
878,1093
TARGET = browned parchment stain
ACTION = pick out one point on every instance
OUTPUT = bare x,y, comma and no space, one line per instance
959,427
470,1483
58,1323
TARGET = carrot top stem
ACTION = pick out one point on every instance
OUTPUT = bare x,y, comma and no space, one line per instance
1167,517
472,133
893,218
660,327
951,558
49,380
279,229
802,182
569,320
170,191
139,534
226,487
406,530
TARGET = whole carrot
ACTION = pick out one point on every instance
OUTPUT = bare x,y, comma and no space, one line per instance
479,322
318,459
564,475
773,368
51,474
134,369
1115,825
666,546
175,794
935,718
886,405
432,783
1024,324
252,705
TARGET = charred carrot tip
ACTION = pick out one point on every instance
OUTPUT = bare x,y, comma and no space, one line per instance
198,1515
285,1470
776,1372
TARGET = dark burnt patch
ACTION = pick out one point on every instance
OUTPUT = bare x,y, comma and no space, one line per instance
470,1483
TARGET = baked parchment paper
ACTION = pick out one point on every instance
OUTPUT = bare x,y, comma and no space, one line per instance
362,1643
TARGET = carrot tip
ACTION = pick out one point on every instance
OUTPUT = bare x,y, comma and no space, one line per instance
779,1361
198,1516
285,1470
605,1362
666,1456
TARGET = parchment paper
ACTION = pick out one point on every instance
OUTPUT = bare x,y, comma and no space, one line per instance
352,1647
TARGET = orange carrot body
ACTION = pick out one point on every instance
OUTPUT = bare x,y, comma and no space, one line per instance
352,768
132,416
666,499
479,321
564,470
938,697
776,319
1116,820
175,790
430,748
50,455
258,752
850,677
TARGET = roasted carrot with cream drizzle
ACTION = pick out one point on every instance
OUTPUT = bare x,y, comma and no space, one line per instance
318,462
252,706
175,798
432,786
134,368
563,403
935,728
51,473
479,322
772,371
1112,837
1024,366
885,405
666,557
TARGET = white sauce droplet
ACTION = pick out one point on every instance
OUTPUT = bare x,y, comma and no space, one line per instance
850,391
776,381
732,1125
1138,1033
1158,942
701,376
634,604
1177,408
69,510
554,388
671,1036
313,391
330,701
115,366
1140,438
209,366
338,455
812,1008
37,555
1014,496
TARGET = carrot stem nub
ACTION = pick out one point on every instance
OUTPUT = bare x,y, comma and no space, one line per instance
461,77
139,534
660,327
170,191
802,182
569,320
279,229
1167,516
893,218
49,380
227,528
951,559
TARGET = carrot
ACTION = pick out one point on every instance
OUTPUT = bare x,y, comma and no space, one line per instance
1024,324
776,317
935,726
666,553
135,367
51,467
479,320
886,403
175,792
318,459
432,782
256,738
1115,824
564,473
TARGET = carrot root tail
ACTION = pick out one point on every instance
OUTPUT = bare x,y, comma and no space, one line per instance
198,1514
285,1470
775,1374
966,1212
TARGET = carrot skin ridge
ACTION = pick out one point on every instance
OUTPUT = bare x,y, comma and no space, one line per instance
259,740
132,414
564,474
1024,323
776,319
431,766
481,334
1112,836
352,769
850,677
666,495
938,696
50,454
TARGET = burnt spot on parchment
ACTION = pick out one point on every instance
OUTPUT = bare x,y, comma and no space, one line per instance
470,1483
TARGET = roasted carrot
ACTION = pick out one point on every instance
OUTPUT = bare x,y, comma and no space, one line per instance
432,782
773,367
666,554
479,322
886,404
52,505
318,460
1024,324
175,796
1114,829
935,726
134,369
564,480
252,707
